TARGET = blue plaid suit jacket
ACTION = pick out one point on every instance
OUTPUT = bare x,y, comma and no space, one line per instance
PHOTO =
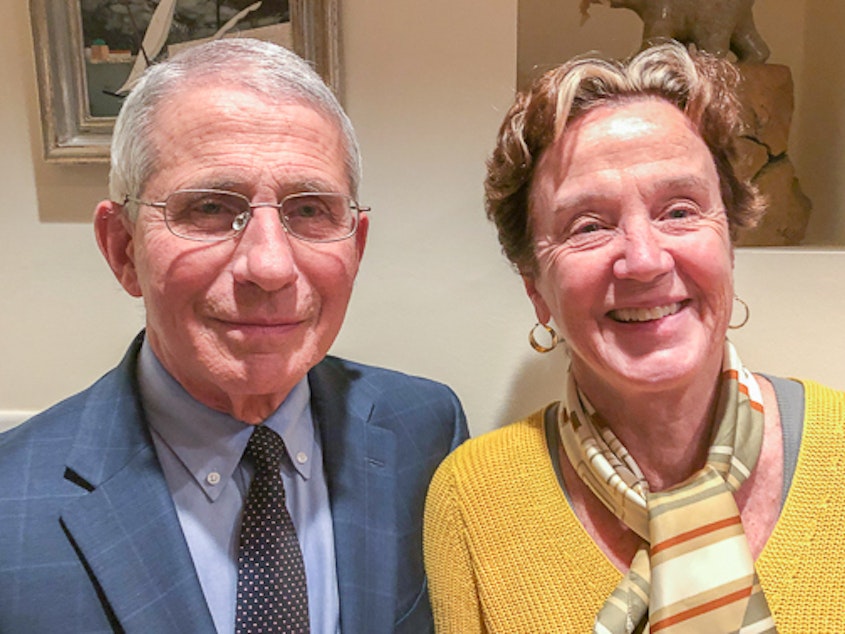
90,540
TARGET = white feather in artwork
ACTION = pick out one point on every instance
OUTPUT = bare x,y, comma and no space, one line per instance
156,37
235,19
154,40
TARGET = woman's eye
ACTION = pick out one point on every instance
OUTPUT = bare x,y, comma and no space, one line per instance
586,231
587,227
681,212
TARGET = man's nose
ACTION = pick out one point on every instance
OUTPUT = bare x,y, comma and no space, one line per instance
644,256
265,255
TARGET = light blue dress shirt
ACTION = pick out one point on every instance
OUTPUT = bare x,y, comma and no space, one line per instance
200,451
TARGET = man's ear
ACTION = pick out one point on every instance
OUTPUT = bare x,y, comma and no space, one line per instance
541,308
361,234
115,237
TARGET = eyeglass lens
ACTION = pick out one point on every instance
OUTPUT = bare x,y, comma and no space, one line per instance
217,215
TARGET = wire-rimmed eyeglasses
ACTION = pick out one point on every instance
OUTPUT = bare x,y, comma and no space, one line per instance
213,215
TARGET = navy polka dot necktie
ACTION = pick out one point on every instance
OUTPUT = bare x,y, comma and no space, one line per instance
272,595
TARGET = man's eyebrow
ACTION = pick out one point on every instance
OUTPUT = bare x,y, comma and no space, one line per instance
312,186
243,186
214,183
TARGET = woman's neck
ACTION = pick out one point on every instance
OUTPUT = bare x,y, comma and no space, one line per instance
758,499
667,432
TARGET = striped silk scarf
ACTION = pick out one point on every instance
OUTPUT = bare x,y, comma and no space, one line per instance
695,573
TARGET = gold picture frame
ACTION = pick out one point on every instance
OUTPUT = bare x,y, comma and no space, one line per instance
72,134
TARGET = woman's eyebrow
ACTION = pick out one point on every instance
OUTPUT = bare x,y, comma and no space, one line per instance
683,182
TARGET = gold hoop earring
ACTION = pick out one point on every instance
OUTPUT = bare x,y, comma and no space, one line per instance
538,346
747,314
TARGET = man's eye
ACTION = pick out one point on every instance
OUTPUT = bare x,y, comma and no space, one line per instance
307,211
209,208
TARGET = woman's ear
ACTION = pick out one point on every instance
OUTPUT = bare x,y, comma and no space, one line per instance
541,308
115,237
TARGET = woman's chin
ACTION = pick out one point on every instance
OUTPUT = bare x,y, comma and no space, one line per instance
654,370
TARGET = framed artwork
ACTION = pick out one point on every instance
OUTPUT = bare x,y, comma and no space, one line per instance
88,54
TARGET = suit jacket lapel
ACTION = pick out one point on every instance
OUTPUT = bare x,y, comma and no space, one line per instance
125,527
359,459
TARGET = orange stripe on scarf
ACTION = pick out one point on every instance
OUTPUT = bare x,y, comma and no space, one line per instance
697,532
701,609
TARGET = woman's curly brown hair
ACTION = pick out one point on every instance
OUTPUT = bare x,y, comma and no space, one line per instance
700,85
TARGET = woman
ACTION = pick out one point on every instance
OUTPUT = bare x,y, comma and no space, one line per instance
670,488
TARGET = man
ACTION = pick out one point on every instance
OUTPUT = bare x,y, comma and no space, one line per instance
232,214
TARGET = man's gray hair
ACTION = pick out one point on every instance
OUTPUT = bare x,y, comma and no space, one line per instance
268,69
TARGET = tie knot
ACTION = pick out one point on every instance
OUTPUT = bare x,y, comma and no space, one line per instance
266,448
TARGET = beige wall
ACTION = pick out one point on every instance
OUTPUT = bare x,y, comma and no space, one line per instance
426,85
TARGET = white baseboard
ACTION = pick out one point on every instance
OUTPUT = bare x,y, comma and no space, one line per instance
11,417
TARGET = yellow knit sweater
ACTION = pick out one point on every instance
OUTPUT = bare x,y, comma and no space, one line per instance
505,553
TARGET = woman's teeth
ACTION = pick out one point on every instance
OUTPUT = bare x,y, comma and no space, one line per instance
644,314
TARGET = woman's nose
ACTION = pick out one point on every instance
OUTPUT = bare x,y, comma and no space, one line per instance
265,255
644,256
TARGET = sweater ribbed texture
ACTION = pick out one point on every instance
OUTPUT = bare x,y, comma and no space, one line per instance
505,554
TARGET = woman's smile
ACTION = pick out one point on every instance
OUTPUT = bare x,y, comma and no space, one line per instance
629,315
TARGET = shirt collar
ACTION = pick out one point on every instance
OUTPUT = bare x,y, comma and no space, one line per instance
210,443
